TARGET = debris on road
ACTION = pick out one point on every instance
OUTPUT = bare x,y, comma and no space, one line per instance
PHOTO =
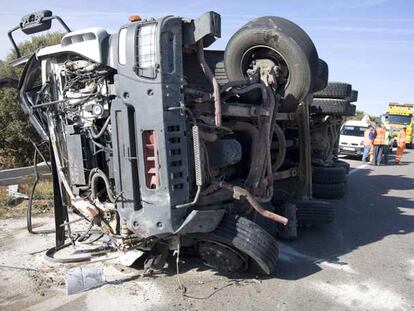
83,278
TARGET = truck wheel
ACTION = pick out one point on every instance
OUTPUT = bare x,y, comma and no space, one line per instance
328,106
350,110
284,44
354,96
321,80
237,244
313,213
328,175
329,191
337,90
343,164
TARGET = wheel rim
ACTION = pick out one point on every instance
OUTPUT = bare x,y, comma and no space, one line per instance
261,52
221,256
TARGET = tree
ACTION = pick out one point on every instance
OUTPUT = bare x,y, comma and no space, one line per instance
15,129
359,114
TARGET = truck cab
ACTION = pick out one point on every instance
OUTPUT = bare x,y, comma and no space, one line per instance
398,116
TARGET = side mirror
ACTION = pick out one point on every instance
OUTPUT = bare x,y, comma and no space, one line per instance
36,22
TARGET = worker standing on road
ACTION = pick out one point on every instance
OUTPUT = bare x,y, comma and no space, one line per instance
387,146
401,141
379,143
369,136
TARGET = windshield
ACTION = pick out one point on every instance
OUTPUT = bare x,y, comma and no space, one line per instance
358,131
396,119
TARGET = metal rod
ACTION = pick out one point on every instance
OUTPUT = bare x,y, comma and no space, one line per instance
18,55
216,87
239,193
194,202
48,104
67,223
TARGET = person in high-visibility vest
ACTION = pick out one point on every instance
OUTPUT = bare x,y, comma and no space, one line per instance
379,143
401,141
369,136
387,146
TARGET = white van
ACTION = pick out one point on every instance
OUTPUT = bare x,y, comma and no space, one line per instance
351,140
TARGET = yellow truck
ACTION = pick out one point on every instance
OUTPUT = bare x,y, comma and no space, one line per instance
396,117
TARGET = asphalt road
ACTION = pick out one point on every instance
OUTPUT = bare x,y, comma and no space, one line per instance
363,261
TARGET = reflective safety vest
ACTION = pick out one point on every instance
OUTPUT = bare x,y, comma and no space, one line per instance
402,138
387,137
367,141
380,139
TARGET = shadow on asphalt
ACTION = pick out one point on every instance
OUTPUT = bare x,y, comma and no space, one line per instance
367,214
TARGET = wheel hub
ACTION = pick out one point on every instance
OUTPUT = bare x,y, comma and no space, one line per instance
221,256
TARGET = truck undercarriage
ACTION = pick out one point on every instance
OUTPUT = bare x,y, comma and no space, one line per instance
165,145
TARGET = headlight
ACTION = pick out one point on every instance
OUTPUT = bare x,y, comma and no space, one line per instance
147,46
361,143
122,46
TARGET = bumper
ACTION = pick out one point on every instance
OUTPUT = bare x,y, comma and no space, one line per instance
355,151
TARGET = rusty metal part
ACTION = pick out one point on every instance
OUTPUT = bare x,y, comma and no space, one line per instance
239,193
216,87
259,160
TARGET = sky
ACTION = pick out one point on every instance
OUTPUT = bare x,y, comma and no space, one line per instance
368,43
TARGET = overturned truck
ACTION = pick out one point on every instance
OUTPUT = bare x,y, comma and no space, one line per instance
163,144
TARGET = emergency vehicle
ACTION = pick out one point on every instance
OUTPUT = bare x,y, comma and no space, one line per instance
398,116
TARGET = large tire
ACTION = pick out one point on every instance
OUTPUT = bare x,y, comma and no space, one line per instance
314,213
321,80
329,191
328,106
328,175
354,96
337,90
281,41
248,238
345,165
350,111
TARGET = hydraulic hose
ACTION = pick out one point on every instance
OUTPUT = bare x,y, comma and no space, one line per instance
102,131
32,192
29,207
95,174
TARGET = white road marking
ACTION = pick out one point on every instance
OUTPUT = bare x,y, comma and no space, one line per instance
290,254
354,170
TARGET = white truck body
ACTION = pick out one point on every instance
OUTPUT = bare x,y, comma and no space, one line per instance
351,140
